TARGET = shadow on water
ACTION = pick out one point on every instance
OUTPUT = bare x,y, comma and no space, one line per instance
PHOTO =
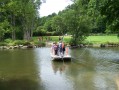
62,60
19,71
116,61
19,84
59,66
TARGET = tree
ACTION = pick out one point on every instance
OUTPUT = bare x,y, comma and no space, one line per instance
21,15
98,24
47,25
29,12
77,21
3,29
110,9
12,9
59,25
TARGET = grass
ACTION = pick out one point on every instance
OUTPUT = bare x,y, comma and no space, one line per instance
103,39
54,38
100,39
92,39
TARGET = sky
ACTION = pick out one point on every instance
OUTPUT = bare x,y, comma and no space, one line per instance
51,6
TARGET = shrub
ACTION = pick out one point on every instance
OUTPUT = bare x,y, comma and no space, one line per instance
3,44
18,42
26,43
41,43
72,42
8,40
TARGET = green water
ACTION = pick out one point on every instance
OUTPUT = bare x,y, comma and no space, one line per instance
33,69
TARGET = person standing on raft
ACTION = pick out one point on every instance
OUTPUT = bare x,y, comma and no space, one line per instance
63,48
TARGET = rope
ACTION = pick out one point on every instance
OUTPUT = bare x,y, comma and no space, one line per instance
81,53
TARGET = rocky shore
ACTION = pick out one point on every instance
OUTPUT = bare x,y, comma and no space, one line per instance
19,47
95,45
49,44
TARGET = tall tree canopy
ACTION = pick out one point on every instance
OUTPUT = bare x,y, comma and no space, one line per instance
110,9
77,20
20,19
20,15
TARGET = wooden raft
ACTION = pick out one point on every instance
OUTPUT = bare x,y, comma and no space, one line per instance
61,58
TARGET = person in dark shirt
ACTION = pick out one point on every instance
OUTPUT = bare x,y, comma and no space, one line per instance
55,48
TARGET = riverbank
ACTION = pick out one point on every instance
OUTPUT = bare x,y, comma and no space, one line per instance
49,44
91,41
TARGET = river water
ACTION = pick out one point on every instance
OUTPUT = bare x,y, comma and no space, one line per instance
33,69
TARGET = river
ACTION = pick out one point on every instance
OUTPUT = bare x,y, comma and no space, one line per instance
33,69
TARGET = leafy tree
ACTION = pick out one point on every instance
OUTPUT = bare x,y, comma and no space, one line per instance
29,14
98,24
77,21
12,9
21,15
47,26
4,24
110,9
3,29
59,25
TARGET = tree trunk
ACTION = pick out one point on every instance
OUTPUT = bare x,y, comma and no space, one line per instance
13,27
27,34
32,27
29,30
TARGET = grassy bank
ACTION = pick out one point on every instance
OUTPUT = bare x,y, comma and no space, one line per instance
92,39
53,38
104,39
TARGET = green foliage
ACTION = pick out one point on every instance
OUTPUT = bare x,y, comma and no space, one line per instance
8,40
59,25
26,43
73,42
3,28
3,44
98,24
47,26
21,16
46,23
40,43
19,19
43,31
77,21
110,9
18,42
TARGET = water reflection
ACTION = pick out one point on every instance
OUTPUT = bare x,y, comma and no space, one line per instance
33,69
95,68
105,53
19,84
18,70
117,81
60,66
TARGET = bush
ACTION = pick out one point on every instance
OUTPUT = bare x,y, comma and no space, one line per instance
72,42
8,40
26,43
18,42
87,43
40,43
3,44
